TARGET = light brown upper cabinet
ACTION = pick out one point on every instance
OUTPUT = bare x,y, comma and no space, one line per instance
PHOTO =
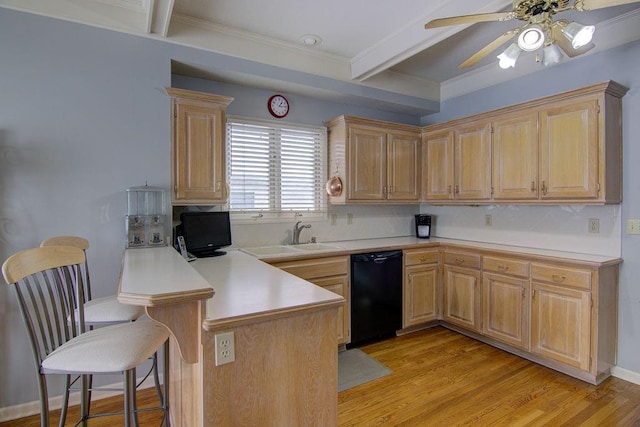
515,157
563,149
378,162
457,163
198,173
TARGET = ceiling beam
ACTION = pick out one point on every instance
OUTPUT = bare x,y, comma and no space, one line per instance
413,38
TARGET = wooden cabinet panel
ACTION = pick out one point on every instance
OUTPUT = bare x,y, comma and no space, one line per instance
403,166
367,164
569,150
379,162
331,273
561,324
472,158
462,259
316,267
506,266
198,152
462,297
420,256
420,294
340,286
505,309
437,166
515,157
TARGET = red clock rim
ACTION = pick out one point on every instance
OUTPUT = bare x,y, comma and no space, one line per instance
273,113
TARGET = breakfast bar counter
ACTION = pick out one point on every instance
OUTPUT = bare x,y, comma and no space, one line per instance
283,332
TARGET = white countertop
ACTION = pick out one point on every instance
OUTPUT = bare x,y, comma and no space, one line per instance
247,289
408,242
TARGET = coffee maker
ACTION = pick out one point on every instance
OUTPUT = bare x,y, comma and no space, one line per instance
423,226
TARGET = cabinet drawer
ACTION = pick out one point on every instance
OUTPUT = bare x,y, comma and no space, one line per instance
505,266
462,259
420,256
314,268
561,275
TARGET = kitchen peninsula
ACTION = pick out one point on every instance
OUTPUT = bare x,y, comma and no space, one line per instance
556,308
285,367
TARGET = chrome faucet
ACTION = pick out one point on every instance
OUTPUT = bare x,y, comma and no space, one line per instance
296,232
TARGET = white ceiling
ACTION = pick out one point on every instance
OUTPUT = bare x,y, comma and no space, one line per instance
380,46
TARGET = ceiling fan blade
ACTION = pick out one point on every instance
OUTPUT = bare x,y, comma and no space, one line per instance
584,5
469,19
565,44
473,59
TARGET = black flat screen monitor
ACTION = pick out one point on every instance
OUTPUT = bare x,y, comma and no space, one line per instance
205,232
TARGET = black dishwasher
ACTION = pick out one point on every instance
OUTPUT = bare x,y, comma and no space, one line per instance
376,295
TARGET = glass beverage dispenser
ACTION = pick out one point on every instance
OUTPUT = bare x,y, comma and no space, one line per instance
146,222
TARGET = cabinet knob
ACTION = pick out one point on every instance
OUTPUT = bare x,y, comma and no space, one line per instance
423,259
449,189
457,189
503,267
558,278
544,187
459,260
533,186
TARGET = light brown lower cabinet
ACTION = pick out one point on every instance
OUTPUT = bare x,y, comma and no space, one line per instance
331,273
461,285
420,291
505,309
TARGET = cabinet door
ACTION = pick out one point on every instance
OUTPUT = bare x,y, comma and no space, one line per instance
462,297
437,166
403,166
560,320
505,309
199,154
367,164
569,151
420,294
472,154
340,286
515,157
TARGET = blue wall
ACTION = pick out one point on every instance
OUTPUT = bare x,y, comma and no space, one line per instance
83,116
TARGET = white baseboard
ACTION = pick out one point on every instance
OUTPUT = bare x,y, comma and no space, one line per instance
32,408
625,374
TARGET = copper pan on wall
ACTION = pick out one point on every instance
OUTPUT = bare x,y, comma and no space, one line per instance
334,186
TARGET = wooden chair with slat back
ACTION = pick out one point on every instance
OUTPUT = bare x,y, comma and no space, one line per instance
49,284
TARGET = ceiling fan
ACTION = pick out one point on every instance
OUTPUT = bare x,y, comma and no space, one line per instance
539,33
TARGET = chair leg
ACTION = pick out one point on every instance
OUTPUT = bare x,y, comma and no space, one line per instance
65,401
165,380
156,380
129,385
44,401
84,399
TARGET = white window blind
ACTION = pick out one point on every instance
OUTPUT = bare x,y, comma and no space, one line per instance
275,167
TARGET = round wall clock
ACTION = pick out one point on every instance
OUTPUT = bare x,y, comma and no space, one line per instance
278,106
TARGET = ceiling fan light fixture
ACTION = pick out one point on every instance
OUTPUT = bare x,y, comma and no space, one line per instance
509,56
551,54
531,38
579,35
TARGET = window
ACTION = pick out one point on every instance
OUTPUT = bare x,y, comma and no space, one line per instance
275,167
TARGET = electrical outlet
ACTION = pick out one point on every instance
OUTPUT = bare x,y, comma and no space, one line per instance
633,226
488,220
349,218
594,225
225,348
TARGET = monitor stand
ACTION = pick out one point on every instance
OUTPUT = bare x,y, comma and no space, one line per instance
209,254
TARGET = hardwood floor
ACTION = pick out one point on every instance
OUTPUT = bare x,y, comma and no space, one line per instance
442,378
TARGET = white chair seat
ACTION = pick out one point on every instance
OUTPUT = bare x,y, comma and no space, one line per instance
107,350
109,310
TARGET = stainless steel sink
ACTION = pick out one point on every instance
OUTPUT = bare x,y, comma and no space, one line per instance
287,249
